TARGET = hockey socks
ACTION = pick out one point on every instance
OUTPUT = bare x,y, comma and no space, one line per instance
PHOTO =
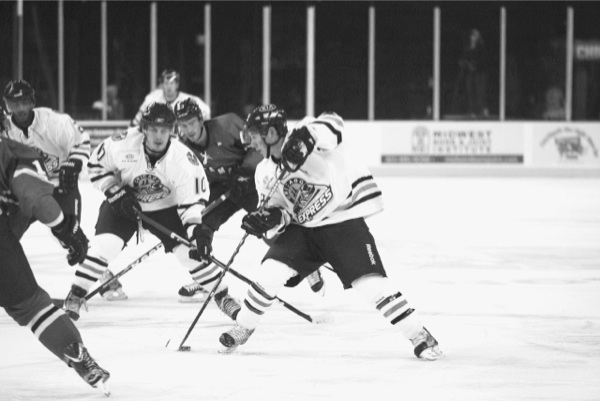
47,322
90,271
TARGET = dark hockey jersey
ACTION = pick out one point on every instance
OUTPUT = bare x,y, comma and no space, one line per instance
224,152
23,182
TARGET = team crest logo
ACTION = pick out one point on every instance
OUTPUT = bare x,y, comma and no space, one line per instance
193,159
149,189
308,199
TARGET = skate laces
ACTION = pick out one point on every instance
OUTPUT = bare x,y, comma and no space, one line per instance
423,336
74,303
228,305
193,288
239,334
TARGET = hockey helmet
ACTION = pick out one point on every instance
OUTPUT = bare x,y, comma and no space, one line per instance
158,114
263,117
19,90
186,109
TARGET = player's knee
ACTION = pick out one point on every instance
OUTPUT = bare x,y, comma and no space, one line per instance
273,274
25,311
106,247
182,253
373,286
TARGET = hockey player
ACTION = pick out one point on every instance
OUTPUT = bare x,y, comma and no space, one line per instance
169,93
229,166
25,192
146,171
64,146
317,214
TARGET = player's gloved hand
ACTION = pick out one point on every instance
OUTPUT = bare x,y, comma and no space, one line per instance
68,174
297,148
202,238
239,186
123,201
260,221
71,237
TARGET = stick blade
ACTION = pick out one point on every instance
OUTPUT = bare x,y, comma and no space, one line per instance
175,345
323,318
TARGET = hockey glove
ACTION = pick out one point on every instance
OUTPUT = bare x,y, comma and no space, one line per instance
239,186
259,222
203,236
123,201
68,174
297,148
71,237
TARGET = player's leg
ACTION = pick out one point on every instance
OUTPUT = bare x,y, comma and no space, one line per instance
358,264
31,306
288,258
112,233
204,274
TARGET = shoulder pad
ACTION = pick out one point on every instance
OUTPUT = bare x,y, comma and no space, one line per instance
119,136
192,158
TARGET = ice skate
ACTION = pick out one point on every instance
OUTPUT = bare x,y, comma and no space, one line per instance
79,359
114,292
426,347
73,302
316,282
192,292
234,338
227,304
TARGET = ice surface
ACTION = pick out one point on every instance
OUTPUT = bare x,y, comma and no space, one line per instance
505,272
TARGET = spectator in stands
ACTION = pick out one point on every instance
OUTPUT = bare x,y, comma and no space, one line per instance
555,104
473,74
169,93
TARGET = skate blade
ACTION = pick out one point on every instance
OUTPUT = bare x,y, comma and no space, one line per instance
431,353
114,296
104,386
227,350
191,300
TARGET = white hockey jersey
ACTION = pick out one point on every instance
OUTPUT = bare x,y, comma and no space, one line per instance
56,137
176,179
330,187
158,96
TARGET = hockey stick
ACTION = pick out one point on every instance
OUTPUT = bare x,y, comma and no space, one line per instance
323,318
107,283
318,319
173,235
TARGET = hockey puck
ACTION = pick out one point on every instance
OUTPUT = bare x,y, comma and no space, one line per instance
185,348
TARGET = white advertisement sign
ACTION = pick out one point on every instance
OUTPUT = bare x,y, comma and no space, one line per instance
566,144
453,142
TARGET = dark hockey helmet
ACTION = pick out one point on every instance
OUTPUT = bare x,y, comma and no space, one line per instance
19,90
186,109
158,114
3,120
263,117
169,75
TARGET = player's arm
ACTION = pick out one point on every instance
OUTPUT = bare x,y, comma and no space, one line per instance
327,131
77,143
101,168
321,134
192,196
34,192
